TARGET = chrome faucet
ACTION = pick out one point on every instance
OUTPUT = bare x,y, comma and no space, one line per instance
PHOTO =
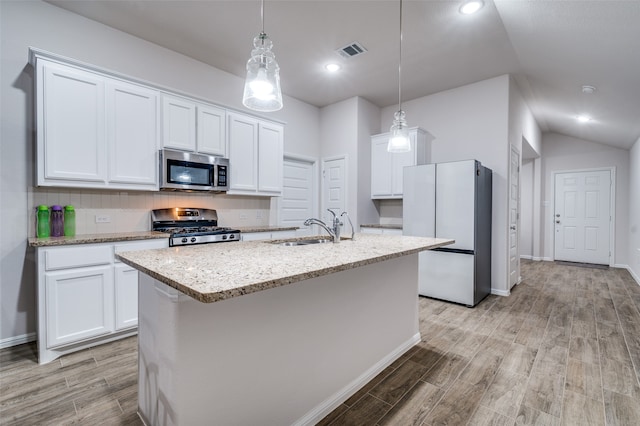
333,232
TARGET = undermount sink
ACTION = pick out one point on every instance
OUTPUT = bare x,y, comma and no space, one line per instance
304,242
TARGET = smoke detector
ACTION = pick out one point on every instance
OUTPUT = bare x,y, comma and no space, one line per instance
351,50
588,89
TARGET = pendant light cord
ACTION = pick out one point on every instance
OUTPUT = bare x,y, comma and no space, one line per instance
399,64
262,15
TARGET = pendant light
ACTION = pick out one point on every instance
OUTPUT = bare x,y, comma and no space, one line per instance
262,86
399,138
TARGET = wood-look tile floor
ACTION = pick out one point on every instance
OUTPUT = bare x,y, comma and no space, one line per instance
563,349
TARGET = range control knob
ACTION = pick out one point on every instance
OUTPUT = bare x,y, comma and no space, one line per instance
232,237
193,239
224,237
184,240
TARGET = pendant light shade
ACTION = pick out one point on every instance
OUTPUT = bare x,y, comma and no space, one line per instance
262,86
399,133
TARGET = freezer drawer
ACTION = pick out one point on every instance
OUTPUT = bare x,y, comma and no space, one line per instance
447,276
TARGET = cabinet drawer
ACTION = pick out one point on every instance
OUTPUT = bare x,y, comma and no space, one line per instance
140,245
74,257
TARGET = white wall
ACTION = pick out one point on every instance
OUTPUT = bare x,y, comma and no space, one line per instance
526,209
634,211
471,122
565,153
368,124
41,25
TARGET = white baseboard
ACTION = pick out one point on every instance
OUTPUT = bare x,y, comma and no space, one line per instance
331,403
526,256
500,292
547,259
633,274
17,340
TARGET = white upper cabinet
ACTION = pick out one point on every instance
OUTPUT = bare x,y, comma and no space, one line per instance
387,168
255,155
193,126
212,136
178,123
71,127
270,158
132,134
94,131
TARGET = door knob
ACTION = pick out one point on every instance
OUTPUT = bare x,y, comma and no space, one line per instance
513,228
557,221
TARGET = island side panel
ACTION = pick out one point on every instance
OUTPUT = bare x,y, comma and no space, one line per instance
287,355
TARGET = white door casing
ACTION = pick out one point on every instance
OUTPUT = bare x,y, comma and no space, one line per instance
334,187
300,194
514,216
583,216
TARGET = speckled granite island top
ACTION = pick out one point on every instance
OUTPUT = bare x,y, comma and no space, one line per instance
214,272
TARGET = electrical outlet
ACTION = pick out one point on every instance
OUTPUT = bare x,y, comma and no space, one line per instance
243,216
103,218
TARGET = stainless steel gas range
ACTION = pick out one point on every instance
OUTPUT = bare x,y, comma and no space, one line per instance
189,226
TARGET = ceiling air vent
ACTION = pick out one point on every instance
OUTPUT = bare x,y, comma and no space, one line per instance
351,50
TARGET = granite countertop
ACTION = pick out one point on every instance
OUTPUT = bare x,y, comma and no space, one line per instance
214,272
381,226
264,228
96,238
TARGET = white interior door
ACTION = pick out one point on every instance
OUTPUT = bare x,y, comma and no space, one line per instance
334,184
582,217
298,194
514,217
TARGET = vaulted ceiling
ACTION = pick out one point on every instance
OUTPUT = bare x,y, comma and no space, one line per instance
551,47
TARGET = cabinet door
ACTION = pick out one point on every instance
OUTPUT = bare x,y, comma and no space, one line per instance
212,130
270,158
398,163
380,167
79,304
243,153
132,134
126,296
178,123
71,126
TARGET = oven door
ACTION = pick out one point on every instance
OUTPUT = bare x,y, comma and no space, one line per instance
186,171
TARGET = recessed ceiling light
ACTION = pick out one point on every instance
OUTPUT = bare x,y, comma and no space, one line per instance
583,118
471,6
332,67
588,89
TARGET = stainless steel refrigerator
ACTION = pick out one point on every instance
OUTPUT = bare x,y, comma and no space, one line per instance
451,200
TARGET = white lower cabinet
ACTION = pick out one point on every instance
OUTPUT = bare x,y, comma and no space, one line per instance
78,304
380,231
268,235
126,296
85,296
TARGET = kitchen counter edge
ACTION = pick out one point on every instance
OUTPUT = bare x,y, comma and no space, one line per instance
239,281
95,238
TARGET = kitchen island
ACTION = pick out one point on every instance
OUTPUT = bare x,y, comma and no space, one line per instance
261,333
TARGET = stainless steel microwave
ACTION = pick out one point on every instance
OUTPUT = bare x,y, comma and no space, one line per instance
193,172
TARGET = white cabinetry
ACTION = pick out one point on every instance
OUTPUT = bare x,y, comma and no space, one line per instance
193,126
386,167
256,150
380,231
268,235
94,131
71,126
132,134
86,297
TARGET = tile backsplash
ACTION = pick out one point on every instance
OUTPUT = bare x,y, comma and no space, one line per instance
390,212
129,211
